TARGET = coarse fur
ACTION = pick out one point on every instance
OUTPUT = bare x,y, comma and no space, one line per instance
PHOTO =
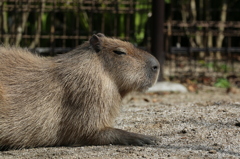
73,98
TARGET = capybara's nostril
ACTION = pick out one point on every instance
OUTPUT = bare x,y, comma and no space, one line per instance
154,64
155,68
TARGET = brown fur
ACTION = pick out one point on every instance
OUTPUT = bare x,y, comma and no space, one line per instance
71,99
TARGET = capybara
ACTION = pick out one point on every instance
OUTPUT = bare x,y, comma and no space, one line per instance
73,98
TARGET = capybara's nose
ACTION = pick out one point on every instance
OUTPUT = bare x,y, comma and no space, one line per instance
155,66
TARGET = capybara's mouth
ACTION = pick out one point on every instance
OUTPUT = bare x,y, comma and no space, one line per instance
146,87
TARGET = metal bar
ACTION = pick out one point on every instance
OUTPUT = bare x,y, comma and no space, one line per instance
77,23
115,23
210,49
1,21
53,21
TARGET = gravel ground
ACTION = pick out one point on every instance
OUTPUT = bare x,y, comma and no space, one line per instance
188,125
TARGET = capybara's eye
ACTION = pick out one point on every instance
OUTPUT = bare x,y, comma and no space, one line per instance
119,52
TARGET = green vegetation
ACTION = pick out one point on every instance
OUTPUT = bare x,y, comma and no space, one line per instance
73,18
222,83
217,67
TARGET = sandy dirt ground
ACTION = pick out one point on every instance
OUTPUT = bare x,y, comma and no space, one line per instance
188,125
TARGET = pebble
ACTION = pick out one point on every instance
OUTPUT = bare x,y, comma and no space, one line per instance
212,151
237,124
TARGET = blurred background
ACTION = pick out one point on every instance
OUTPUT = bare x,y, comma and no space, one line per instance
196,41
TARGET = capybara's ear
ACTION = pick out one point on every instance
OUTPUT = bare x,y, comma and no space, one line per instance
95,42
100,35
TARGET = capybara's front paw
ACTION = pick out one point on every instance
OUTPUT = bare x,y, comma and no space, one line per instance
121,137
136,139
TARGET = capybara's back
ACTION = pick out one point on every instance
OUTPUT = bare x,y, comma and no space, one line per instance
71,99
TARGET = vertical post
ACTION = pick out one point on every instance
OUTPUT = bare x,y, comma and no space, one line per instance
158,33
52,30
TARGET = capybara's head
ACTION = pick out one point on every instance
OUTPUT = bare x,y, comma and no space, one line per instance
132,69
